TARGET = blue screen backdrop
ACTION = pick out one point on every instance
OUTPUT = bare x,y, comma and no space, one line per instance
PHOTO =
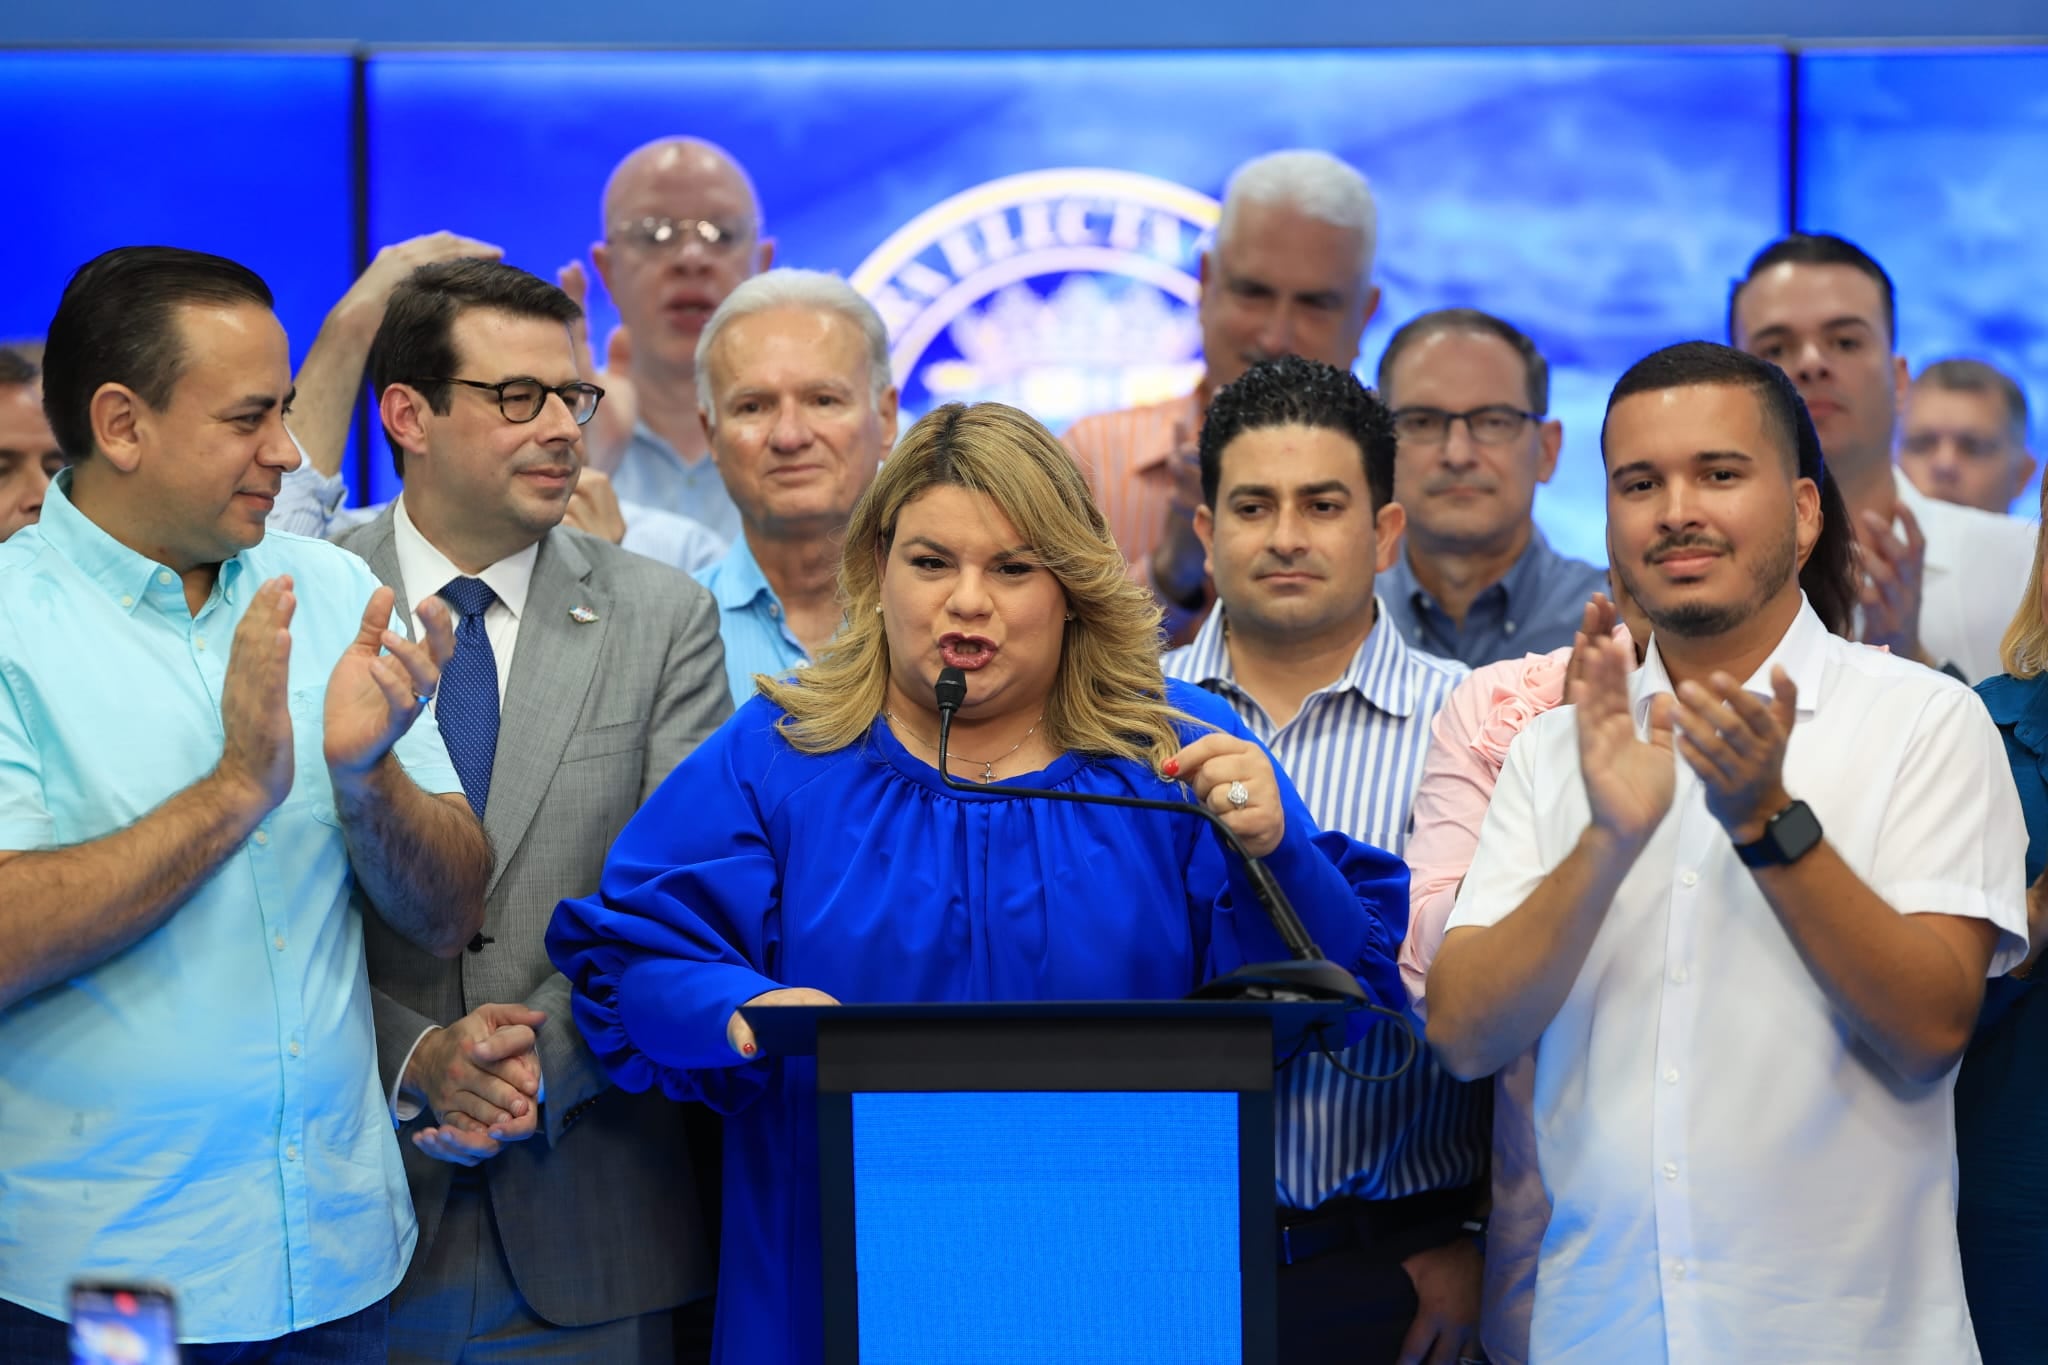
244,154
1062,1228
1937,164
1599,198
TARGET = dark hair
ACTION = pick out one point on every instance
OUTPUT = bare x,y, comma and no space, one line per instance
1418,329
1830,576
415,343
16,368
1819,248
118,324
1293,391
1974,376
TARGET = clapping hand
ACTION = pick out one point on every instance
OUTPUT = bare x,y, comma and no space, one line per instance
1629,781
1735,741
1892,569
610,431
373,697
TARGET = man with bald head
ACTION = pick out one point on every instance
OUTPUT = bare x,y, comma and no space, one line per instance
682,229
1290,273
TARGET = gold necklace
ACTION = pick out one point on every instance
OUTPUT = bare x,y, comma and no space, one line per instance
988,767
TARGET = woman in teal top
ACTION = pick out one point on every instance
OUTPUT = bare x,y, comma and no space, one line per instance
2002,1091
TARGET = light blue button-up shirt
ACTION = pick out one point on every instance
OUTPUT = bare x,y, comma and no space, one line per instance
652,474
202,1108
751,622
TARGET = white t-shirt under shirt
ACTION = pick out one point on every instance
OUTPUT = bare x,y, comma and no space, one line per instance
1734,1176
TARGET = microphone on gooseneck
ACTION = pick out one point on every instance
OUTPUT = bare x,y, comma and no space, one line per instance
1308,977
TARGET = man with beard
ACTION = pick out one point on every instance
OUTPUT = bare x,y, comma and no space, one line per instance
1941,581
1745,901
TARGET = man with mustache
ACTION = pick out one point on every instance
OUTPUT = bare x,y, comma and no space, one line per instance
217,775
1290,273
558,1215
1743,903
1941,581
1476,581
800,410
1377,1180
682,229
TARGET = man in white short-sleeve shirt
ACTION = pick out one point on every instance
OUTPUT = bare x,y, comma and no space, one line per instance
1749,965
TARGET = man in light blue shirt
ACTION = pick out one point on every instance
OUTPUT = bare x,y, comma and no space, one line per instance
212,764
1476,581
1376,1179
800,409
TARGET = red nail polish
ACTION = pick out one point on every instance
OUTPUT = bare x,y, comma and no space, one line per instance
1172,768
747,1048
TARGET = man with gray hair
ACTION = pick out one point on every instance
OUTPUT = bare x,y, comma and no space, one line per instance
1965,438
799,408
1290,273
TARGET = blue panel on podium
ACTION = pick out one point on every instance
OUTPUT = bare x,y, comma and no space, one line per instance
1013,1229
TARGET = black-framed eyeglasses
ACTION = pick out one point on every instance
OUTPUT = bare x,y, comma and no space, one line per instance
1495,424
520,400
673,234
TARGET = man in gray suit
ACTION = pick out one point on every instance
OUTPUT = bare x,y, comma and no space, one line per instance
558,1216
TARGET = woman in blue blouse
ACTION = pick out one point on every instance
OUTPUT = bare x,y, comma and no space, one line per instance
808,852
2002,1090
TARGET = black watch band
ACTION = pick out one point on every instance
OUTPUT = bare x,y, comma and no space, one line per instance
1789,836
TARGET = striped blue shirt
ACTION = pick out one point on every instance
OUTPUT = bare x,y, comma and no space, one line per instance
1355,753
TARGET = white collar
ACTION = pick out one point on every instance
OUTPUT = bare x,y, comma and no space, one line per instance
1801,651
425,570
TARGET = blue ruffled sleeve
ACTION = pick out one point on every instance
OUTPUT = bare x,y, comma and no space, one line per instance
1351,897
684,924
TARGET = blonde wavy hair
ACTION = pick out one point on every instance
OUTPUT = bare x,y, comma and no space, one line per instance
2024,650
1108,698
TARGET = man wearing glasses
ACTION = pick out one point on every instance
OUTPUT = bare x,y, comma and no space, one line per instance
1476,581
582,674
681,230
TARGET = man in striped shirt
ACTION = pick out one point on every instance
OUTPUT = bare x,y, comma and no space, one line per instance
1290,274
1377,1180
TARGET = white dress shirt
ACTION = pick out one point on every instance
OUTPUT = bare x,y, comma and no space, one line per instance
1972,579
1735,1177
424,571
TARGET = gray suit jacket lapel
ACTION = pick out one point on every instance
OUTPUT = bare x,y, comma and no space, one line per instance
377,543
552,668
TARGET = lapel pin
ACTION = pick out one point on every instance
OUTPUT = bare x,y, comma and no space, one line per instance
582,616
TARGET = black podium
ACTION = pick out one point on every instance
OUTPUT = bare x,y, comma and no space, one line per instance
1047,1181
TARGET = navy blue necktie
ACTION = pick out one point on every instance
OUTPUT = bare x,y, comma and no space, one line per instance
467,709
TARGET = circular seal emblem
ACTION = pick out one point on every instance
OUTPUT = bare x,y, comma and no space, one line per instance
1062,292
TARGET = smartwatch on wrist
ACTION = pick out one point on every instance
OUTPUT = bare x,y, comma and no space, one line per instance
1789,836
